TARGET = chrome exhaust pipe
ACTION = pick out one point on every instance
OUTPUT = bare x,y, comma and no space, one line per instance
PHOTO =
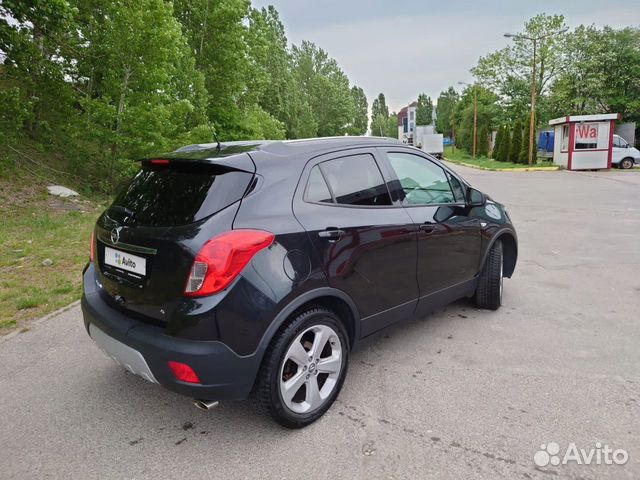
205,404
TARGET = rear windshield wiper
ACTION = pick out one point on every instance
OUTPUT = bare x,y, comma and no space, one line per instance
127,212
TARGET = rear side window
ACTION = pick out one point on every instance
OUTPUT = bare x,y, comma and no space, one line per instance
355,180
317,190
178,194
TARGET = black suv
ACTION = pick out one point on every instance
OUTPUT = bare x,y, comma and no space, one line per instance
253,268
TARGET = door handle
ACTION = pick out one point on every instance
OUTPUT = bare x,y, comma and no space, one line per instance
427,227
333,234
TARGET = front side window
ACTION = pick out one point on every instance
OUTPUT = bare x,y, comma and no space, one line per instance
619,142
356,180
423,182
456,186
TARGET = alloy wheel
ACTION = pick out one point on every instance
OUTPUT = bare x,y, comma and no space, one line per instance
311,369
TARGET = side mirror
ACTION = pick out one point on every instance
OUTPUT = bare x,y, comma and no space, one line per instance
475,198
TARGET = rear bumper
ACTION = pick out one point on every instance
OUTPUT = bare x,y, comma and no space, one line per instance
224,374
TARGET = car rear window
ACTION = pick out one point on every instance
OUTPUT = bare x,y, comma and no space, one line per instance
178,194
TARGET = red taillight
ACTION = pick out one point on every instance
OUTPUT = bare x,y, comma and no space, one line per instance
222,258
92,246
183,372
159,161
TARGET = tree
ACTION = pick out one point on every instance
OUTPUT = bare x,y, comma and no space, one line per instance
516,142
505,145
600,73
488,113
424,110
270,81
482,149
105,82
301,122
325,88
216,34
379,109
36,60
508,71
524,150
392,126
497,142
358,125
379,125
446,105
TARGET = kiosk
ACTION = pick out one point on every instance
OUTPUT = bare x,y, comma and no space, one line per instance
584,142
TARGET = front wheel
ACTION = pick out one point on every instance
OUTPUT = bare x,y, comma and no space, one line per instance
626,163
490,284
304,368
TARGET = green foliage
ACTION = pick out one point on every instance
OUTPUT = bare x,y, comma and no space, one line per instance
509,71
516,142
325,88
107,81
524,151
586,71
382,124
360,119
392,126
379,106
445,108
483,141
601,72
14,113
497,142
424,110
488,114
505,145
379,125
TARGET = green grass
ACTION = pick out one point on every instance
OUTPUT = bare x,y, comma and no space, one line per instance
35,226
456,155
31,235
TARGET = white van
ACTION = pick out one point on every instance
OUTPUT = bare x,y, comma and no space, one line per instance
624,155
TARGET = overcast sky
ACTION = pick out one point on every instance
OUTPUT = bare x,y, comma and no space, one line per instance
406,47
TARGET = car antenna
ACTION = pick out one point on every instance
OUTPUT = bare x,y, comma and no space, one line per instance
215,135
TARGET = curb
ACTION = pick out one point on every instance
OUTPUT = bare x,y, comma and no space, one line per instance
48,316
516,169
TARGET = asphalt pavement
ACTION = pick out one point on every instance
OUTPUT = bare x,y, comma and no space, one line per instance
460,394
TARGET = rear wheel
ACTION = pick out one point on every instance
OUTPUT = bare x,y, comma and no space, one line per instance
626,163
490,285
304,368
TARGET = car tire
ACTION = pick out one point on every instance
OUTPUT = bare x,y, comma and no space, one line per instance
293,385
490,284
626,163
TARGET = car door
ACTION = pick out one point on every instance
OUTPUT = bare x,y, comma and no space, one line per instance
365,241
449,241
618,150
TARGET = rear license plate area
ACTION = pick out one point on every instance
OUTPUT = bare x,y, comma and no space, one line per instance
125,264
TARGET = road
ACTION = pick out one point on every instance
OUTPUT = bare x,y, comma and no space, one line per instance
460,394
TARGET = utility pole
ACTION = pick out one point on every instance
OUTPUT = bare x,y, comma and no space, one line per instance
532,117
